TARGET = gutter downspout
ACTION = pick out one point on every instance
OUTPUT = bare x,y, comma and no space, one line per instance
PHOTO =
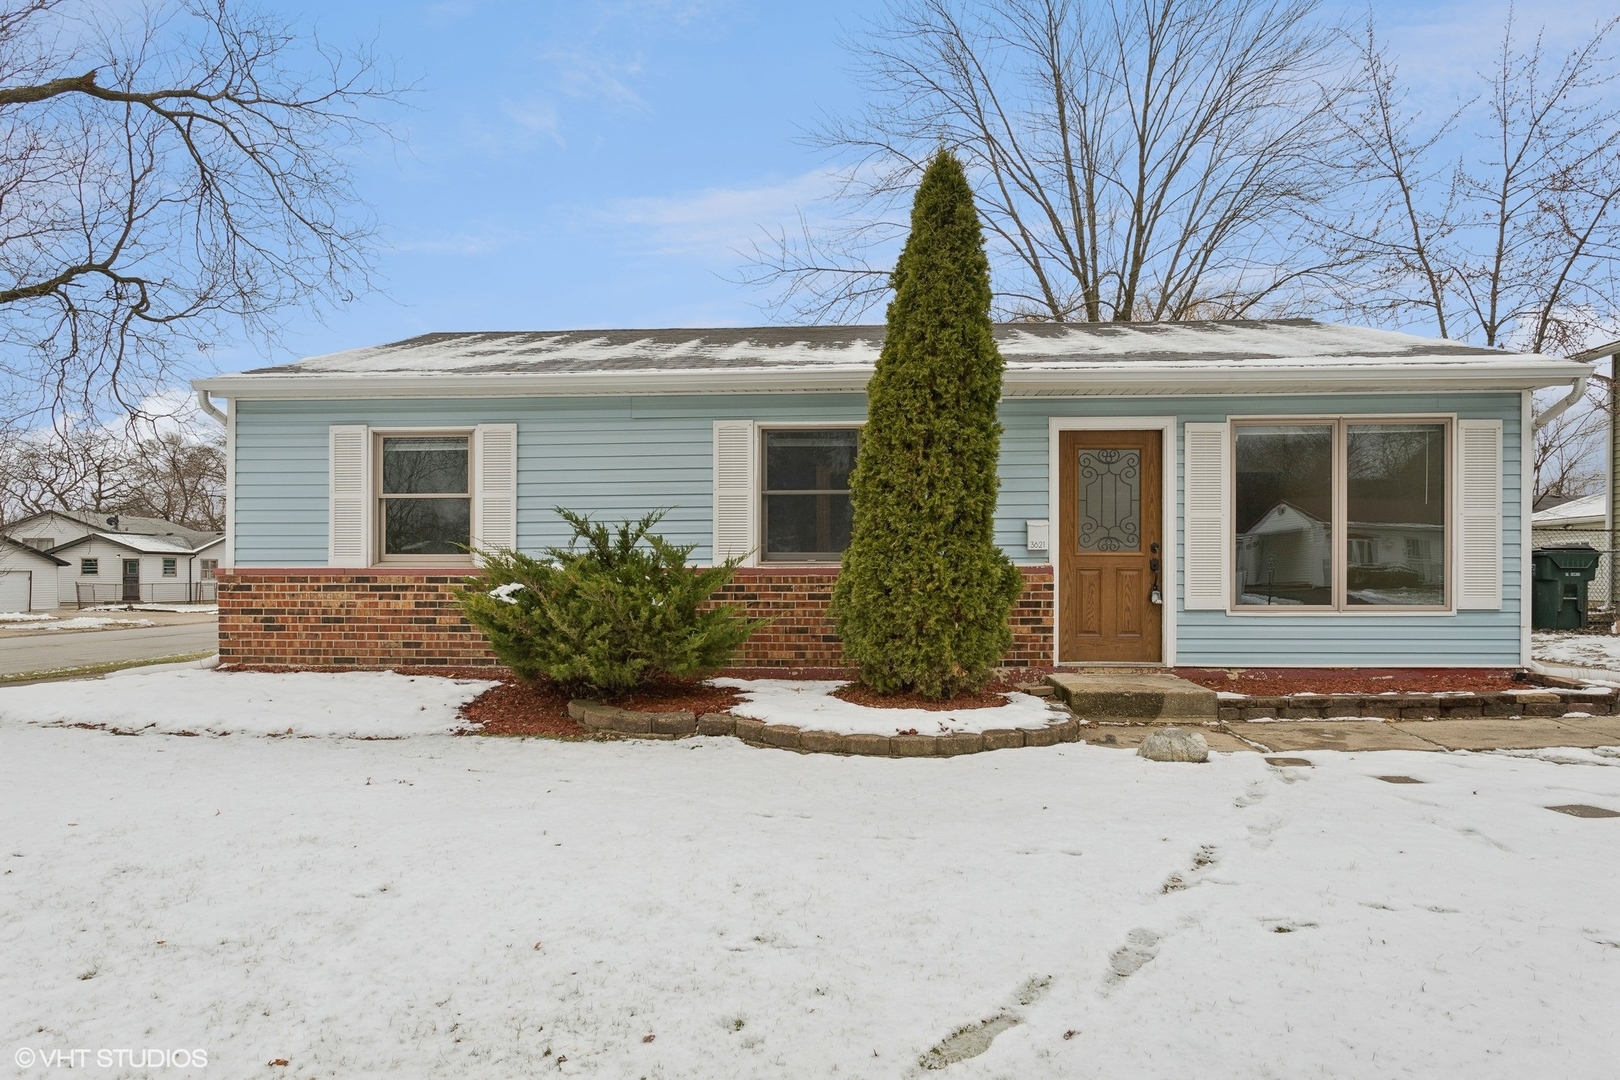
1545,417
206,405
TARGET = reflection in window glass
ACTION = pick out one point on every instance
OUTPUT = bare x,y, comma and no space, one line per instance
435,516
1395,514
1284,515
424,466
808,515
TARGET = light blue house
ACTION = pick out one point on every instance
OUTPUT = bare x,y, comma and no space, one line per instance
1197,494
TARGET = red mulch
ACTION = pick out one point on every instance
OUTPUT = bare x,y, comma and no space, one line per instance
519,708
540,708
1274,682
990,697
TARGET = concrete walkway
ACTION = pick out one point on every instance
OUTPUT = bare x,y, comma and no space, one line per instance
1484,733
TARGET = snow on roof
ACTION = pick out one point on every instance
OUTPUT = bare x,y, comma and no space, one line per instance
1585,510
1025,346
146,545
101,521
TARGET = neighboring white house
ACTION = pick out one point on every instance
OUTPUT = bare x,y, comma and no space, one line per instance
110,568
1589,513
28,578
94,558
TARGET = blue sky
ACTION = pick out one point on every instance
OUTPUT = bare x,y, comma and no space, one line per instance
590,163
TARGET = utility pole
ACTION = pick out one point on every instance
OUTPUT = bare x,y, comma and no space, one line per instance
1614,485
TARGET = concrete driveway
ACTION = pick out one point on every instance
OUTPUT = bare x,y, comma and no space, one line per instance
35,649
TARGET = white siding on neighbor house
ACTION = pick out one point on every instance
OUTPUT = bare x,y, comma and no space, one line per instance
621,457
110,573
31,579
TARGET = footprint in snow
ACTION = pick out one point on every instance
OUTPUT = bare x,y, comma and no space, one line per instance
1141,945
971,1040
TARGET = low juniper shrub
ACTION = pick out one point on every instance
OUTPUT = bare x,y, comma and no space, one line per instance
617,608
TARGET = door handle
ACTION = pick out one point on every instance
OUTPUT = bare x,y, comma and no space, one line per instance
1154,596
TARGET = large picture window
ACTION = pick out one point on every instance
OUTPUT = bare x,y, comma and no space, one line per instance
1335,514
807,514
425,496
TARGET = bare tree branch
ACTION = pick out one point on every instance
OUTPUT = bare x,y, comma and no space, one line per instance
1133,159
165,181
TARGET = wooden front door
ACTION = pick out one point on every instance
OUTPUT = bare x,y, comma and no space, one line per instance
1110,546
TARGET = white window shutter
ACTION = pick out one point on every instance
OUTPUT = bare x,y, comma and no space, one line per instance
349,504
1479,514
734,494
1206,533
495,504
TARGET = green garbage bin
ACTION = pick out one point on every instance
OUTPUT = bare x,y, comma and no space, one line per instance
1558,594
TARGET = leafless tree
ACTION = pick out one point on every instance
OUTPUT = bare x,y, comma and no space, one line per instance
1133,159
178,475
179,478
167,178
1500,221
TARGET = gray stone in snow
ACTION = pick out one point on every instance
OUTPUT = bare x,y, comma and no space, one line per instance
1174,744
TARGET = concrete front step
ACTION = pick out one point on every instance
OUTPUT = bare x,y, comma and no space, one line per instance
1134,697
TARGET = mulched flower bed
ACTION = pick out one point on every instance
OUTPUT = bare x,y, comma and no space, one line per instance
1275,682
518,708
992,697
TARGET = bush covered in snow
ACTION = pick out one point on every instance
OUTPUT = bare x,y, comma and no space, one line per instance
615,609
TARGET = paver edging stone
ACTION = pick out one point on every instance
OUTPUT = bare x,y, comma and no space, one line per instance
666,725
1534,700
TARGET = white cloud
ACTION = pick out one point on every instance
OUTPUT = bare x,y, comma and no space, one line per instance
536,116
717,221
588,76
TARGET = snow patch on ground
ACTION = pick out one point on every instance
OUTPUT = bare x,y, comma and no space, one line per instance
83,622
186,698
24,616
472,908
190,609
809,704
1580,650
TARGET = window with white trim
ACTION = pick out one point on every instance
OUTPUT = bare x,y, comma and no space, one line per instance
171,568
89,567
209,568
1339,514
805,509
424,496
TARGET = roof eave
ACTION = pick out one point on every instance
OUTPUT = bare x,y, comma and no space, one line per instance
1144,379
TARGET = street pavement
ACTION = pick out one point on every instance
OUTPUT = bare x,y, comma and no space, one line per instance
70,649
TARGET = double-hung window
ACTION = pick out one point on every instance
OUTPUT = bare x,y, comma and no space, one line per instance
424,496
805,498
1341,514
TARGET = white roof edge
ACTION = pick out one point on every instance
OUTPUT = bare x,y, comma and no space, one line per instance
1144,377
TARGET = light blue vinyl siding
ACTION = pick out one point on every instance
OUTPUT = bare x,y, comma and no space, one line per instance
620,457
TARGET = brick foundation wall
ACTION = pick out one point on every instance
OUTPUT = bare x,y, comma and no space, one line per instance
338,618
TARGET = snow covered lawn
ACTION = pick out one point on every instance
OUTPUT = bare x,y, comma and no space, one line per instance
194,698
472,907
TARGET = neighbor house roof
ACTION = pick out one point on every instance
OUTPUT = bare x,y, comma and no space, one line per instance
1279,355
1590,510
146,545
100,521
6,541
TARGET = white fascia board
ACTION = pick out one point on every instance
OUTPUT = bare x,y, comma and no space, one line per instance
1147,378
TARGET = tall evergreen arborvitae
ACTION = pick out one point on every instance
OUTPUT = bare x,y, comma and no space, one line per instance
924,597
